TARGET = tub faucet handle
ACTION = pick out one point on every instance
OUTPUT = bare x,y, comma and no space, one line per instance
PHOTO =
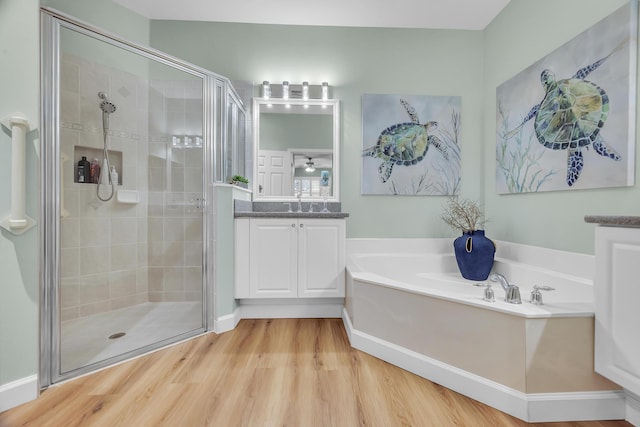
536,295
489,296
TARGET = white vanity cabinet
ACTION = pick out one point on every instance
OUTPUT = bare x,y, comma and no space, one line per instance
289,258
616,297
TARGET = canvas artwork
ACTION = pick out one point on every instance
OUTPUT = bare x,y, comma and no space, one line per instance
568,121
410,144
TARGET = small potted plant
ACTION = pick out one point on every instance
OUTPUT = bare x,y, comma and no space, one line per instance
240,181
474,252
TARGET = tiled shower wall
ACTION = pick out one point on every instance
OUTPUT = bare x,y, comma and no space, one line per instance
115,254
175,187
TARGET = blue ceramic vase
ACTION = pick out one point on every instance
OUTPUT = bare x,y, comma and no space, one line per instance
474,254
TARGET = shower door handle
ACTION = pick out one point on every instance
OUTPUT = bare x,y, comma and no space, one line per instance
198,203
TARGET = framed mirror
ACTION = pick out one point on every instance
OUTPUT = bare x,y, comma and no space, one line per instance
297,146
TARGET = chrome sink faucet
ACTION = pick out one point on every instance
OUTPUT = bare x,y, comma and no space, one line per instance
511,292
299,202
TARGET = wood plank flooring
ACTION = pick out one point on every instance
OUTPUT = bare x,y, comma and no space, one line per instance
285,372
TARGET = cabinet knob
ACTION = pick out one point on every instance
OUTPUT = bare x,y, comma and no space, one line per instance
301,225
293,226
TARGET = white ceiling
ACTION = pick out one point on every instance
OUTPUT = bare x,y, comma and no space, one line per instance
450,14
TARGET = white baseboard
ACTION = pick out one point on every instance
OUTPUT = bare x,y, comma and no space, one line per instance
227,323
539,407
281,309
633,409
18,392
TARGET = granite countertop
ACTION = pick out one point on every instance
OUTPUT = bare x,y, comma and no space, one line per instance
326,215
621,221
247,209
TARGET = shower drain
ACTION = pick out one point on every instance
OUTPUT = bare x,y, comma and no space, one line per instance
117,335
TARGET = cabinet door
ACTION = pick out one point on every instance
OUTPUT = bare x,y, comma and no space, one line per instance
321,245
616,296
273,255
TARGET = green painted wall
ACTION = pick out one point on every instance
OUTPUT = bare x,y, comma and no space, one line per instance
523,33
106,15
432,62
19,56
354,61
223,250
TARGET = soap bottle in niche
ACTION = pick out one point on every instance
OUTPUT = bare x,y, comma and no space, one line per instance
114,175
84,170
95,170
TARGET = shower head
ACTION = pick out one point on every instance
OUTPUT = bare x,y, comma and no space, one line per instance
106,106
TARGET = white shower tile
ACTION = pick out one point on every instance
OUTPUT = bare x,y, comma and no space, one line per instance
95,260
124,230
155,279
69,293
69,233
173,279
94,289
122,302
173,254
124,257
193,279
95,231
193,180
193,254
194,158
122,283
69,262
193,229
173,230
94,308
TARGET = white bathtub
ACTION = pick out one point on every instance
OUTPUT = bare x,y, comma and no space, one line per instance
406,303
437,275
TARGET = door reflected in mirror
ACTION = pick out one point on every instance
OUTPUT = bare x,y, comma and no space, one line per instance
296,145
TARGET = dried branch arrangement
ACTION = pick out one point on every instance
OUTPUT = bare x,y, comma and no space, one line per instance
464,215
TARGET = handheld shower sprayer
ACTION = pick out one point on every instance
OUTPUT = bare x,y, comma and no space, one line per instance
107,108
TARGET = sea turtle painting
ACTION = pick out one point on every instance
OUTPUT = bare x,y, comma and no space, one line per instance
405,144
571,116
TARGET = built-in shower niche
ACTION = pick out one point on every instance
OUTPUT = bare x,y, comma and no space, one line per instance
115,159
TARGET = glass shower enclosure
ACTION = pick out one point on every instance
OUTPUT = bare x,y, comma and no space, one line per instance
129,140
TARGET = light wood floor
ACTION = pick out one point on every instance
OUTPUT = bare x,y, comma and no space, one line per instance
287,372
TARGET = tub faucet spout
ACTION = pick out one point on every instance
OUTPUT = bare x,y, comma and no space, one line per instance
511,292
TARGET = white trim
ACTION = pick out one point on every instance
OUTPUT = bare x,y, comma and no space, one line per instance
538,407
266,309
633,409
18,392
576,406
227,323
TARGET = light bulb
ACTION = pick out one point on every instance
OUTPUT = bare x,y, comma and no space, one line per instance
325,91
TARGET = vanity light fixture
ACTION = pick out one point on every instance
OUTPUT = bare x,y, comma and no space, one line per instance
184,141
303,91
309,166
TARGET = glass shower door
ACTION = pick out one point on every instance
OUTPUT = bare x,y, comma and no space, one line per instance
131,167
